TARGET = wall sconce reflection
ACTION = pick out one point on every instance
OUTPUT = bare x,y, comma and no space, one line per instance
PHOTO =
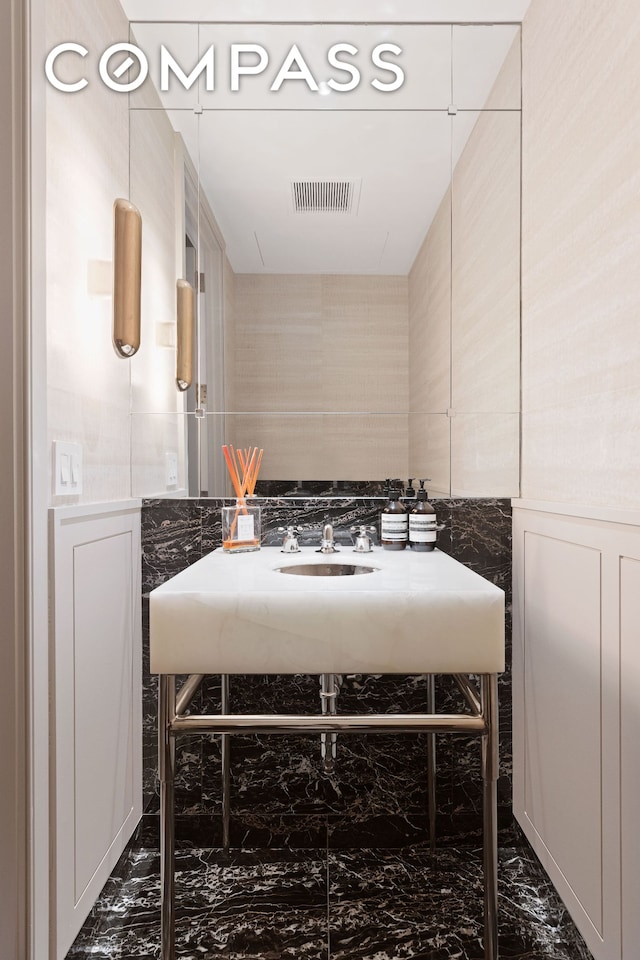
185,303
127,270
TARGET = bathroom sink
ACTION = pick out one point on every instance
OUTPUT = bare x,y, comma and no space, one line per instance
418,613
330,568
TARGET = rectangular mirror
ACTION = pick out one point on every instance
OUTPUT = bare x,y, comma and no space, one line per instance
356,259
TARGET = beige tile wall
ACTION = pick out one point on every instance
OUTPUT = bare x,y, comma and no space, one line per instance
430,451
323,345
484,454
277,351
324,446
485,326
506,92
430,354
580,252
430,320
464,313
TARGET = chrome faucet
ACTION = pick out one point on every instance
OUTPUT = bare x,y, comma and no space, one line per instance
327,543
290,540
362,543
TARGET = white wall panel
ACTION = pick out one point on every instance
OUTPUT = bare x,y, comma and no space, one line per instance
576,718
563,739
630,751
96,701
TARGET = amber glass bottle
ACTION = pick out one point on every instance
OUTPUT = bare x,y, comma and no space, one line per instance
394,523
422,524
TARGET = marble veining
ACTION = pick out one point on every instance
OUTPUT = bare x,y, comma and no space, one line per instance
329,905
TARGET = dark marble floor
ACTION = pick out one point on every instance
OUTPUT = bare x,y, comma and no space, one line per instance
329,866
314,904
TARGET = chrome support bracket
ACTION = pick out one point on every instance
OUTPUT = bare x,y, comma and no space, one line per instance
187,692
469,692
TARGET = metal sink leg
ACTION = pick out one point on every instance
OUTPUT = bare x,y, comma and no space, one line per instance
226,765
489,700
431,763
166,776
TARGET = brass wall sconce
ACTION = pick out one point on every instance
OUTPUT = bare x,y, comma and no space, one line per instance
185,305
127,271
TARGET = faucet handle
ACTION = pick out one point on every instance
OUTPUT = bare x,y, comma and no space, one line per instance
362,542
290,540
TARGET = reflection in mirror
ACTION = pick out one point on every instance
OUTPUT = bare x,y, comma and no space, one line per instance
358,306
158,161
485,308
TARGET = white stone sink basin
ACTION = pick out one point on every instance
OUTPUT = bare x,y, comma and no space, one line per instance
330,568
416,613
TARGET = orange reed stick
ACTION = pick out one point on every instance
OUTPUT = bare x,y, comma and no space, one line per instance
249,470
235,463
256,471
233,471
238,486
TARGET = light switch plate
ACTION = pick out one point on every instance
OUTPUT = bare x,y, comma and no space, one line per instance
171,461
67,468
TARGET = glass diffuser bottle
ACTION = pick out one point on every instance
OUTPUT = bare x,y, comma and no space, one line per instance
241,527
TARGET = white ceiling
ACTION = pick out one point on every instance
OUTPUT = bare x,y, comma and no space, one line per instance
399,146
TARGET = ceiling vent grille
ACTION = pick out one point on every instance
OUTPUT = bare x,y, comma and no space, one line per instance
323,196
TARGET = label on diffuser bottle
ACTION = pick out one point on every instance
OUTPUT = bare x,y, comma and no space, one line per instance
245,527
394,527
422,529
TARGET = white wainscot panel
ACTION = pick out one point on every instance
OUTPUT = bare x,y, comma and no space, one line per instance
562,736
96,700
576,713
630,752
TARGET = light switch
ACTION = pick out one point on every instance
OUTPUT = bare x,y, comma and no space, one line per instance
65,472
67,468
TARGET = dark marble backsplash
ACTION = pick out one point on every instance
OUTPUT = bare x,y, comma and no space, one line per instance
280,794
176,533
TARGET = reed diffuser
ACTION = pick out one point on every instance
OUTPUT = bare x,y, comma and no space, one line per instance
241,522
